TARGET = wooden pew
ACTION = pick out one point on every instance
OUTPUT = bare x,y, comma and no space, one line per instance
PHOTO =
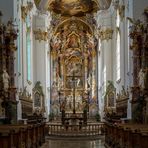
132,134
6,138
126,135
19,134
144,140
22,136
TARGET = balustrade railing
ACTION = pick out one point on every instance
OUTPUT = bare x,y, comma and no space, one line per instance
76,130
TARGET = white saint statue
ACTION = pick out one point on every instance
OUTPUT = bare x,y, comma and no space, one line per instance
78,82
141,78
89,80
6,79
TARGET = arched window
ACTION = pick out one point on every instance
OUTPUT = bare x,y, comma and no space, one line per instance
118,65
128,43
118,52
28,46
18,48
104,78
117,19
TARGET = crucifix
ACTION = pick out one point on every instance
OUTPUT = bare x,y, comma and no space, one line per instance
74,82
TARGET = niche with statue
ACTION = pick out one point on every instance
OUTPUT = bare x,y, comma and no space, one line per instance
109,101
38,99
26,103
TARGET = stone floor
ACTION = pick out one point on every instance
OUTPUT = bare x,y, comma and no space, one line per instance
74,143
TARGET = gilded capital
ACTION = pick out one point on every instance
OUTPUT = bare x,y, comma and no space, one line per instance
105,34
25,10
40,35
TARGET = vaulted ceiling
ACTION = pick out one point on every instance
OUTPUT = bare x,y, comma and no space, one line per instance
72,7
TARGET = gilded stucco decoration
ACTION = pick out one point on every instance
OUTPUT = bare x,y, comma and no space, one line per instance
137,30
41,35
105,33
25,10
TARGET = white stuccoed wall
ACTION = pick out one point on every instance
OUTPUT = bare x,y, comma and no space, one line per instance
39,58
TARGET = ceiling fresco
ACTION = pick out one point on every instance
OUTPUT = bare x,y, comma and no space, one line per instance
72,7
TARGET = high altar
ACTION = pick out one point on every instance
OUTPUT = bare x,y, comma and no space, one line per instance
73,67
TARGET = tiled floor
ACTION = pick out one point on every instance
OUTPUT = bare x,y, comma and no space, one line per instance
74,144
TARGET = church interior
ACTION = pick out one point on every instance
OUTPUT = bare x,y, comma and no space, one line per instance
74,73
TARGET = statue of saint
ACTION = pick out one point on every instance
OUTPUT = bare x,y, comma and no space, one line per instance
72,68
141,77
78,82
56,42
90,42
60,85
72,42
89,80
6,79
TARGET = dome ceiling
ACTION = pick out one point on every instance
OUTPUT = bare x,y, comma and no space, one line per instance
72,7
